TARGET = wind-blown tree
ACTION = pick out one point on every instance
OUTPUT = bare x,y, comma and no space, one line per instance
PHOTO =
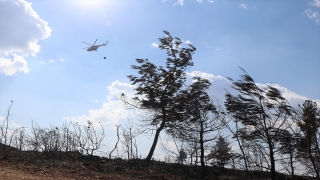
232,123
197,117
309,124
263,113
157,85
288,148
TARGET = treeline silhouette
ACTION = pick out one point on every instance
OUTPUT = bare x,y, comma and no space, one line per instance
266,129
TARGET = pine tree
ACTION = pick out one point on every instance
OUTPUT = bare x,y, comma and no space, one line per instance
157,86
221,152
309,124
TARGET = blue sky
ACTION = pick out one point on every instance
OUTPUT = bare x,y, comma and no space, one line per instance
50,78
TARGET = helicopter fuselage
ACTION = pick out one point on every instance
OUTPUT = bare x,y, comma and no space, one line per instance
92,48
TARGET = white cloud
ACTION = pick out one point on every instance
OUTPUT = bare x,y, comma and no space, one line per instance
313,15
205,75
219,84
10,67
61,59
95,101
112,109
315,3
188,42
218,49
117,89
22,26
42,62
242,6
293,98
108,115
200,1
51,61
154,45
179,2
23,29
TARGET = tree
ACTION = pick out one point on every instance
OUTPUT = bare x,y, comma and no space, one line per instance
157,85
288,145
237,131
197,117
309,124
89,137
116,145
7,134
221,152
263,113
182,156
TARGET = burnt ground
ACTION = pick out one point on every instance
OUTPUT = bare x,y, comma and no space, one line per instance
15,164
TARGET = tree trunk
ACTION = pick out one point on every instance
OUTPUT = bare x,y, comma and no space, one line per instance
272,161
291,164
244,156
156,137
312,161
204,172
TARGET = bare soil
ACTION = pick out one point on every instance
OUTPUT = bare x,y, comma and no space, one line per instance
15,164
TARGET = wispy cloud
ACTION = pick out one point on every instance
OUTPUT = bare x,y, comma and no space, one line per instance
243,6
179,2
315,3
10,67
51,61
209,1
154,45
188,42
218,49
313,15
61,59
205,75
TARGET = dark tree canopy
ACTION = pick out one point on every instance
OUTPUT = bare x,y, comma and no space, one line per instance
196,116
157,85
263,111
309,124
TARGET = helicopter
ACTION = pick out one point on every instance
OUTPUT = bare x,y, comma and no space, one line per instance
94,47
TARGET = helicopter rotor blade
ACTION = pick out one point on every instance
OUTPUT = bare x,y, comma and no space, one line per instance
86,43
95,42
